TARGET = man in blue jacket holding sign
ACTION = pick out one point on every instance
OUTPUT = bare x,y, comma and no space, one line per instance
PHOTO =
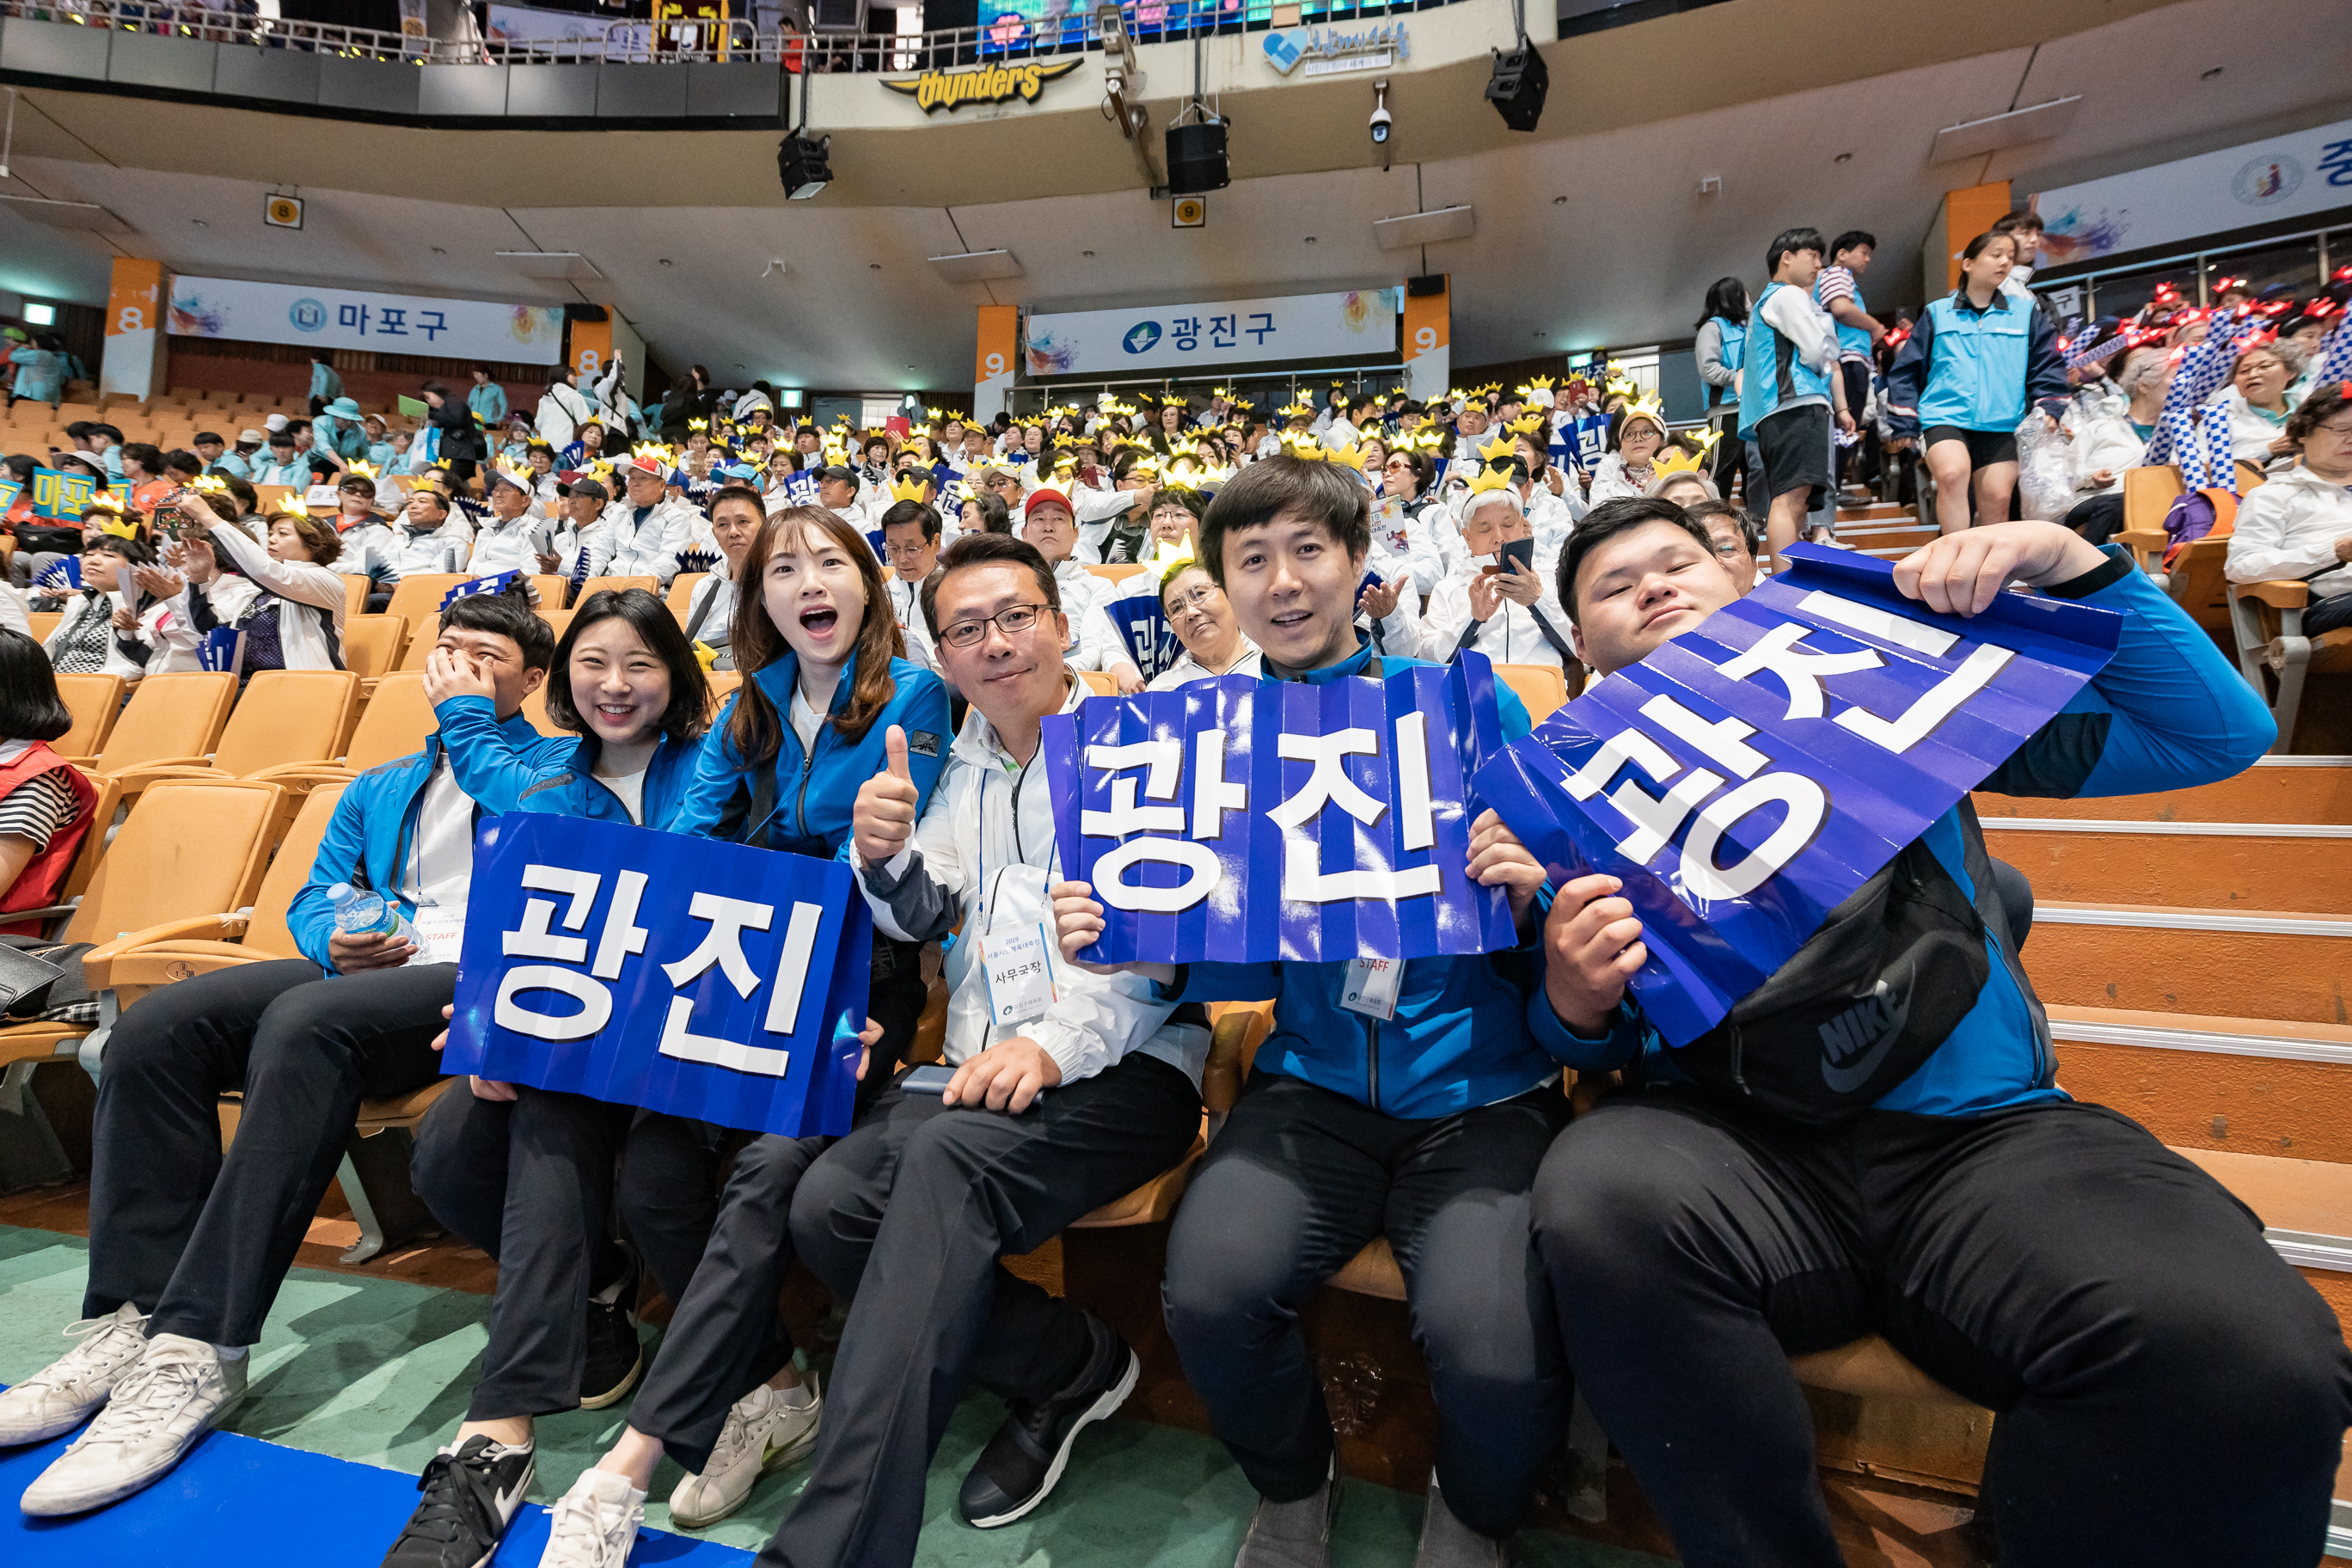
188,1247
1396,1098
2167,1391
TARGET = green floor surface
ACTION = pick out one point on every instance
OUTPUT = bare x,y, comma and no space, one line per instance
1135,1495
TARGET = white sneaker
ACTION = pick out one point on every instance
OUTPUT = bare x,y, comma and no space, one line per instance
762,1433
68,1391
175,1394
595,1523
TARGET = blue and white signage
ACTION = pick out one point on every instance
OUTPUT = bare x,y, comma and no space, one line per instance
1333,51
2302,173
364,319
1359,324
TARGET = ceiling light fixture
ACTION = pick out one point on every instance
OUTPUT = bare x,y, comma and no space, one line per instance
198,223
666,262
1843,158
2209,75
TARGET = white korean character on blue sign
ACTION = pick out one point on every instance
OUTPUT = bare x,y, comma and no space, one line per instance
1327,786
621,939
722,947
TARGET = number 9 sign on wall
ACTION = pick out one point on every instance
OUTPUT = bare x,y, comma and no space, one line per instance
991,368
1428,356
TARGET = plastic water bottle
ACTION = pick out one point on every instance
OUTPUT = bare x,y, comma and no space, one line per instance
359,912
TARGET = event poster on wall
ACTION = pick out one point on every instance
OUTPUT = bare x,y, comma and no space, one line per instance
1359,324
2258,181
363,319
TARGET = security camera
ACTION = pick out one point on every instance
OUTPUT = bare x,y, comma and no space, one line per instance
1382,119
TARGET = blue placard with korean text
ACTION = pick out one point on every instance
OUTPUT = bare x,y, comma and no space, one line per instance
59,497
1142,625
705,979
1243,820
1748,776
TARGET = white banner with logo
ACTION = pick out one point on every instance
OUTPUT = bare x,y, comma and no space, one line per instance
1360,324
2261,181
363,319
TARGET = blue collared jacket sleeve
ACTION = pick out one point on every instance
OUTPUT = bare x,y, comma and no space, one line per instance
1908,374
310,917
487,764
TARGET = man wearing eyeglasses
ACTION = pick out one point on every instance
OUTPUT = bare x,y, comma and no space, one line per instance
1068,1089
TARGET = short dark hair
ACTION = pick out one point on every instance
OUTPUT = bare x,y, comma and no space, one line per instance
30,707
281,438
439,498
906,511
179,462
729,491
688,714
1789,239
2323,403
1610,518
204,436
2021,217
1332,494
145,454
1750,531
1852,239
505,614
136,550
248,499
986,549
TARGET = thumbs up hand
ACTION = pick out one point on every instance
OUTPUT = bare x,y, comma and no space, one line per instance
884,817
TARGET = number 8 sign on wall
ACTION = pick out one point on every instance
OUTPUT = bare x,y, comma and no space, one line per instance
132,300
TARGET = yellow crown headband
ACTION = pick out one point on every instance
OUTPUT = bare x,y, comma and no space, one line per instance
1676,458
698,425
1169,560
120,527
1498,449
1492,480
209,485
910,486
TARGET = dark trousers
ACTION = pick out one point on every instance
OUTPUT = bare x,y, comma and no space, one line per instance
527,1180
2167,1391
1298,1180
205,1241
2327,615
909,1214
2098,519
724,1339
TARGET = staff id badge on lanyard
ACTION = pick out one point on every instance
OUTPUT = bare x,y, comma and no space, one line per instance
1016,949
1372,986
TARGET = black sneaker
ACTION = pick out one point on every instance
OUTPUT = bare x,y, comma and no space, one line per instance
1018,1468
614,1356
470,1497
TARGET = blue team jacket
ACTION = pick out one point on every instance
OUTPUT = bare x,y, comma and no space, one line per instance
368,837
558,780
1771,373
814,792
2167,712
1458,1038
1981,368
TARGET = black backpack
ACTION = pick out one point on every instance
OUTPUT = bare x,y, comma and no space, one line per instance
1869,997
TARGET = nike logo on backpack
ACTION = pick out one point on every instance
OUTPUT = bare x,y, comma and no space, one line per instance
1855,1041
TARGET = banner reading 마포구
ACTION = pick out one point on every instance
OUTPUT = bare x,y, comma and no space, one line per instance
705,979
1746,777
1243,820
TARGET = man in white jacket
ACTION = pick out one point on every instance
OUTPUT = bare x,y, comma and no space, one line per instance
2297,527
431,538
1068,1088
646,528
1508,610
1049,527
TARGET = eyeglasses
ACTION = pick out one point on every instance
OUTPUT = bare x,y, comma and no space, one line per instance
1199,598
1013,621
2341,432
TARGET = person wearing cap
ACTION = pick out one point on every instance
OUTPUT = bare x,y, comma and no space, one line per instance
283,466
1050,527
336,428
648,530
836,491
504,542
578,545
245,457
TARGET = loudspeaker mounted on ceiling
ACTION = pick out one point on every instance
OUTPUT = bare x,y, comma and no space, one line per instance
1196,158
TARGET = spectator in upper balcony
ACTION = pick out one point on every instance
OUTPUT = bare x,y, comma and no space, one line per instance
325,384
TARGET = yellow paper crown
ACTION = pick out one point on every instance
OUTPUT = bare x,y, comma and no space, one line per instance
1500,449
120,527
1526,425
1538,387
1648,408
935,414
698,425
1677,458
1297,411
101,503
1492,480
209,485
1172,402
652,454
1167,560
291,506
909,486
363,468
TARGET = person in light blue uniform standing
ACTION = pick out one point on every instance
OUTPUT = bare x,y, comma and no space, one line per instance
1964,380
1721,349
325,384
1789,395
486,399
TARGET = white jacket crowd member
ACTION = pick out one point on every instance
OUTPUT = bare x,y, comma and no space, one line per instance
1095,643
1204,621
91,637
579,544
562,411
1625,473
432,538
370,549
1511,616
2297,525
646,528
289,602
508,538
912,534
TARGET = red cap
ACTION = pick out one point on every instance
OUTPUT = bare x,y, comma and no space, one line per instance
1039,498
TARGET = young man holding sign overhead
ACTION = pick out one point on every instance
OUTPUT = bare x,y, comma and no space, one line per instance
1392,1098
2167,1390
1065,1090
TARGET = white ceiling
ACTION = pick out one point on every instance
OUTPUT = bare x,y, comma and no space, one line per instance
1622,259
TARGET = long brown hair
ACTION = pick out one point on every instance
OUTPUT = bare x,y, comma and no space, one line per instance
755,730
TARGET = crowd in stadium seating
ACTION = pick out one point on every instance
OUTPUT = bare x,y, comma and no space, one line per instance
894,614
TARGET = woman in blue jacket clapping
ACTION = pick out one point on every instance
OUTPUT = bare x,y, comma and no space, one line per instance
1972,366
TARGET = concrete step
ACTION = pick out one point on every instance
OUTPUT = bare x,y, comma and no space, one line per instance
2236,1085
2274,790
2199,864
2214,963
